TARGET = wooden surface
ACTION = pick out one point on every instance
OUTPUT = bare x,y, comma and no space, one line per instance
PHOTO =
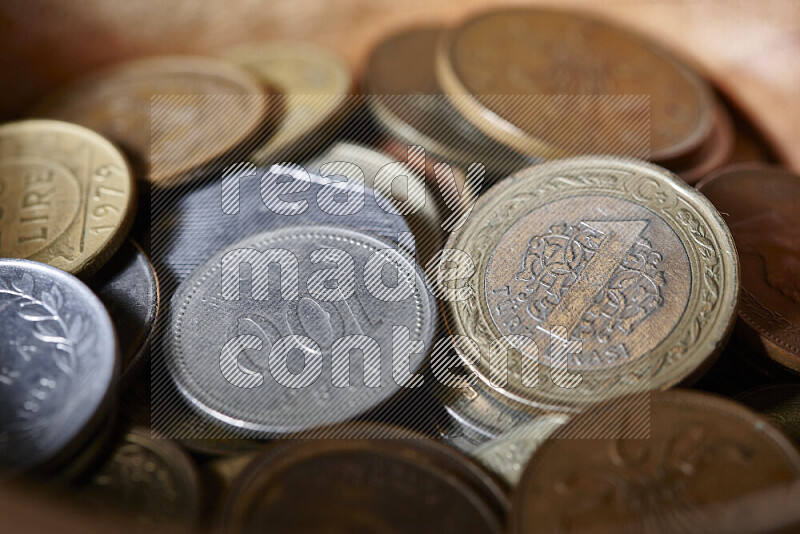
751,48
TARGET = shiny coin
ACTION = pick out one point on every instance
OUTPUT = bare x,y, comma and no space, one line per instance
66,195
367,485
588,278
128,287
343,334
313,85
150,478
405,98
759,205
780,403
58,364
563,59
701,450
170,114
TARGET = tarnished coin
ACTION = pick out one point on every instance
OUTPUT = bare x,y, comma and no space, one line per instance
128,287
67,197
343,334
153,479
405,98
702,450
170,114
715,152
508,453
759,205
780,403
58,364
563,62
587,278
366,485
313,84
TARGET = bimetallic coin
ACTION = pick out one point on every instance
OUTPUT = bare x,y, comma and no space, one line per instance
589,278
153,479
343,334
759,205
780,403
128,287
170,114
67,197
405,98
58,364
314,84
701,450
530,78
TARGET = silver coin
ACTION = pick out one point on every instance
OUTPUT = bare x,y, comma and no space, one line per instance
128,287
276,358
58,363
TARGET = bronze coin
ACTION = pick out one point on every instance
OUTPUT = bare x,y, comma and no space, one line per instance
701,450
759,204
170,114
715,152
490,61
780,403
363,485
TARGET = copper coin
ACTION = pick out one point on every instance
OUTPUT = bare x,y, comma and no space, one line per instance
170,114
780,403
501,66
715,152
701,450
759,203
363,485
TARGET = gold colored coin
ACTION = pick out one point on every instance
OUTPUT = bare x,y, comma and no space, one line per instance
555,83
67,195
170,114
314,84
588,278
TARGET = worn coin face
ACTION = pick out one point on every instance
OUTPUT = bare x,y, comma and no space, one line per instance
405,97
780,403
362,485
702,450
323,346
58,363
169,114
151,478
586,278
545,53
313,85
759,205
66,195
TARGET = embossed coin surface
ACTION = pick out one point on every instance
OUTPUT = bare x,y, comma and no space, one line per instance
169,114
313,85
586,278
66,195
151,478
780,403
58,363
128,287
759,205
343,332
368,485
702,450
540,52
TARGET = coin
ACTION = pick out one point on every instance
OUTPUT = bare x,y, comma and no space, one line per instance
780,403
369,485
405,98
170,114
150,478
59,364
295,383
566,59
713,153
608,275
128,287
66,195
314,86
507,454
702,450
758,203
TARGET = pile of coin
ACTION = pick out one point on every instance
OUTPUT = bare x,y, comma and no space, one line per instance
472,290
